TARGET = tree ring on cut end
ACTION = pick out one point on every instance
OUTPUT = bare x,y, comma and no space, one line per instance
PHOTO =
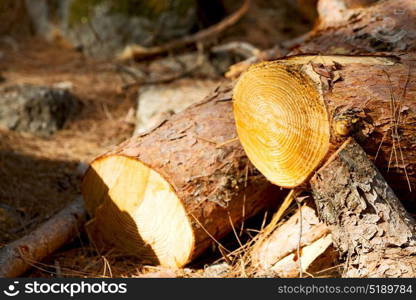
137,210
281,121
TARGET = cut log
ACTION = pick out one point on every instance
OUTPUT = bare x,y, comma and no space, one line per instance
166,196
18,256
368,223
292,113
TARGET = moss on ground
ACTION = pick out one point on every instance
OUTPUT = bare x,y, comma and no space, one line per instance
80,10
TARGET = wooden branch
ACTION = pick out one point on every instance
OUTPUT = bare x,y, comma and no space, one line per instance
138,52
18,256
368,223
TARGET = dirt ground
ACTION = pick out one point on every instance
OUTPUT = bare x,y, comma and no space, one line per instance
41,175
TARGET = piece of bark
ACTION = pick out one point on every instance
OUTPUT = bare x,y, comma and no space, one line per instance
20,255
285,239
168,194
290,266
345,28
368,223
291,114
332,12
219,270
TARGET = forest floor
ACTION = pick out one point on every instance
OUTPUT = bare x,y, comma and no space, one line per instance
41,175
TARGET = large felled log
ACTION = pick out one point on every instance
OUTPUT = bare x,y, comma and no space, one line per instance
18,256
368,223
168,194
292,113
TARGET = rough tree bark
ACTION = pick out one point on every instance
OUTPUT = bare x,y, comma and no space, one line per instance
360,26
166,195
368,223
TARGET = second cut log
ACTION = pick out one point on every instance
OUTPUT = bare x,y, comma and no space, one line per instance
168,195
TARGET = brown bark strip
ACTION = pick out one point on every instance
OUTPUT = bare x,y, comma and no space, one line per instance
368,223
284,240
20,255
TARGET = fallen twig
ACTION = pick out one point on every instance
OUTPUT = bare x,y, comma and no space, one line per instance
18,256
138,52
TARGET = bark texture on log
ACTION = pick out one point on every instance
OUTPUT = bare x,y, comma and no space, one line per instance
210,181
345,29
20,255
313,103
368,223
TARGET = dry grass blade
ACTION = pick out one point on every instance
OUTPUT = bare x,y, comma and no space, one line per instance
396,109
279,214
